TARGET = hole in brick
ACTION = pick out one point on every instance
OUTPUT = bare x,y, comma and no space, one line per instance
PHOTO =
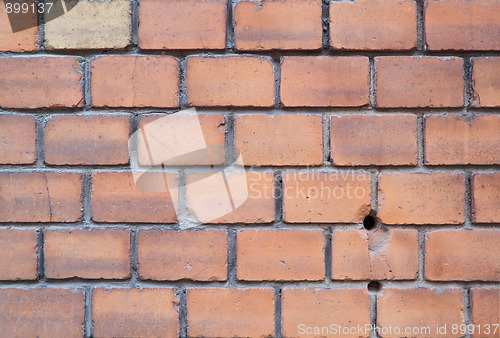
374,286
370,222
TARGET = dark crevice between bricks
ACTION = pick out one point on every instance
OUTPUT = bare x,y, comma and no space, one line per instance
183,99
278,196
183,312
134,259
372,83
421,254
421,44
41,29
231,257
230,45
325,22
229,138
328,254
420,141
371,222
41,121
467,309
87,74
276,61
469,97
374,191
134,16
468,199
277,311
87,197
40,256
325,119
373,313
88,323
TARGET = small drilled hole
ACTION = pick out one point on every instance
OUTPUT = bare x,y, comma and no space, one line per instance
369,222
374,286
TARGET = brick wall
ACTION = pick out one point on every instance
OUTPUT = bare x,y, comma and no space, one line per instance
370,132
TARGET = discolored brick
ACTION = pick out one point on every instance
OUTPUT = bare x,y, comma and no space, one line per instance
135,81
280,255
373,25
279,140
17,139
291,24
182,24
486,81
241,313
40,197
87,140
90,254
317,197
135,312
230,81
146,198
20,41
420,198
38,82
465,255
324,81
415,81
373,140
18,254
176,255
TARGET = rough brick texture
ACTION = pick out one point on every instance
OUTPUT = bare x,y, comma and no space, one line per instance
324,81
18,254
291,24
486,201
17,139
485,81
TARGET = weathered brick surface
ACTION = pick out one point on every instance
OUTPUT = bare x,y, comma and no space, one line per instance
117,197
409,81
135,81
485,81
466,255
41,313
373,140
175,255
291,24
420,308
373,25
484,311
306,312
324,81
325,197
22,41
89,254
100,140
240,312
18,258
379,254
453,139
133,312
436,198
40,197
91,25
37,82
181,24
486,200
462,25
280,255
230,81
17,139
279,139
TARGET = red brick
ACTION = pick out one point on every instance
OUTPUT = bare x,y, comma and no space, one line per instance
486,199
176,255
135,312
182,24
324,81
40,197
116,197
20,41
379,254
173,139
135,81
373,140
17,139
373,25
242,313
267,25
453,139
230,81
485,313
325,197
89,254
311,312
37,82
280,255
465,255
18,258
279,140
41,313
486,81
415,81
419,309
100,139
462,25
420,198
250,198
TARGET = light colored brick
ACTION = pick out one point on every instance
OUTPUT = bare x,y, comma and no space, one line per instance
485,312
486,198
17,139
19,41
